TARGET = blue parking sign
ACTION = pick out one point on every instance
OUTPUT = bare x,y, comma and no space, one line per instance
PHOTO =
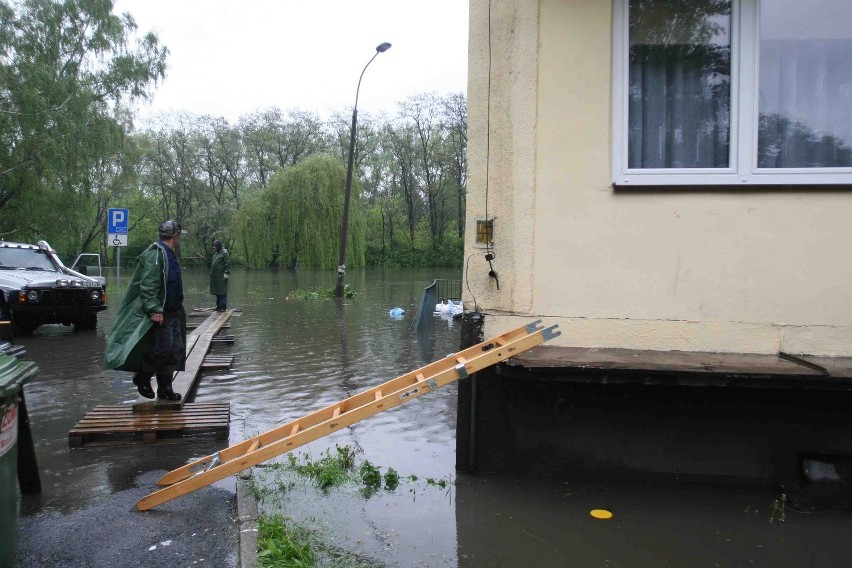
117,221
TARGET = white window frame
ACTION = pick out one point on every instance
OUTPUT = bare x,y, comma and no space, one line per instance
743,168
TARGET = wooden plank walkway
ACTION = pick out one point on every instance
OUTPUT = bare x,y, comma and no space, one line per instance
191,325
197,345
118,424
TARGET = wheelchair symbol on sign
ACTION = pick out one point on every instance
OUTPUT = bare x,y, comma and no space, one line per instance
116,241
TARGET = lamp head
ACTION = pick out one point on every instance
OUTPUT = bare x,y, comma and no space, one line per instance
383,47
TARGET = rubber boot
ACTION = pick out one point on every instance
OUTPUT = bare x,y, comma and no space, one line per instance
142,380
164,386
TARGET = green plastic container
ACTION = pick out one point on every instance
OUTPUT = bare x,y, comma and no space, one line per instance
13,374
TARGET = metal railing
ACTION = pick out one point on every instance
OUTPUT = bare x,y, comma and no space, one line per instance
448,290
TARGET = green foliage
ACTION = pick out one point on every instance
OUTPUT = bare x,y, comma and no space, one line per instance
779,509
391,479
370,475
442,483
299,216
331,470
320,293
283,546
401,252
268,186
67,68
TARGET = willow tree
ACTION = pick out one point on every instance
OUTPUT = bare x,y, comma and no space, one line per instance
297,218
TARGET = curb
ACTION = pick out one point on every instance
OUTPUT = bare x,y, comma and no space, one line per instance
247,519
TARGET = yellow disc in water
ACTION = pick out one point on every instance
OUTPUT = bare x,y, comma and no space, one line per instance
601,514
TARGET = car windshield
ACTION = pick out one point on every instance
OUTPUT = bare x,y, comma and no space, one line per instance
25,258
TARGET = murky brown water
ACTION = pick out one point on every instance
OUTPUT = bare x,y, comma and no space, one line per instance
294,357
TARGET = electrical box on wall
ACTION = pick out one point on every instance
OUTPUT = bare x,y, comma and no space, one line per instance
485,232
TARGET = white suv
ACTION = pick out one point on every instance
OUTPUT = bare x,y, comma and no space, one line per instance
36,288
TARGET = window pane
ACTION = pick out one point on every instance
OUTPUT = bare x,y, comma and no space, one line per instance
680,83
805,84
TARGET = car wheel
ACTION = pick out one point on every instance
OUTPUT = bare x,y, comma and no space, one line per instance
87,322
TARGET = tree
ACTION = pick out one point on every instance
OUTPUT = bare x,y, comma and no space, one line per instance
173,167
422,112
454,124
296,220
256,131
402,145
66,69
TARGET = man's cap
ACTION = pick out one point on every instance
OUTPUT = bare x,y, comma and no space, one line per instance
217,243
170,228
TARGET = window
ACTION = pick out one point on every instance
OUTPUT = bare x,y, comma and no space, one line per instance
732,92
25,258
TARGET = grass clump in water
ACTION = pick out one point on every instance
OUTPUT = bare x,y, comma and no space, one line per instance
779,509
331,470
281,545
334,468
391,479
320,293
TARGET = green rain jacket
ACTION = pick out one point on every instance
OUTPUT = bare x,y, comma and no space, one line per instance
219,268
131,335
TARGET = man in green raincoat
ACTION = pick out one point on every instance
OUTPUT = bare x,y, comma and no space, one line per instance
149,333
220,269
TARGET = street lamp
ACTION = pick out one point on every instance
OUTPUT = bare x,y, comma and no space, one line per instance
341,260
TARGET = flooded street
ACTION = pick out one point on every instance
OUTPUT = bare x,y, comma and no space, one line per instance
294,357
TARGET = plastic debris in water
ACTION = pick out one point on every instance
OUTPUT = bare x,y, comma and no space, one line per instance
448,308
396,312
602,514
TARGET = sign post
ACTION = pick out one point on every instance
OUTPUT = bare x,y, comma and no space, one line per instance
117,222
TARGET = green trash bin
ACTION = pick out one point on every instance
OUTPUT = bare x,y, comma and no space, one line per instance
13,374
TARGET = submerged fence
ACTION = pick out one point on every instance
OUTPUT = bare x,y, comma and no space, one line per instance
440,290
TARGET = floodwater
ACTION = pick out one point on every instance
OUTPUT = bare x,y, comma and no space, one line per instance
294,357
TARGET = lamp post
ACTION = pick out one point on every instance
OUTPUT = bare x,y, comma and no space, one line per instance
341,260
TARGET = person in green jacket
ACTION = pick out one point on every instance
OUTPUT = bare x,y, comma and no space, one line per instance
149,333
220,269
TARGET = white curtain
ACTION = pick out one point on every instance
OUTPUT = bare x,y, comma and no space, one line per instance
805,104
679,84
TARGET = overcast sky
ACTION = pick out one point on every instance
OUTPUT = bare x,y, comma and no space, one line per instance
230,57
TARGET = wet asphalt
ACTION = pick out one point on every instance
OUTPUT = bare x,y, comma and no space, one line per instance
200,529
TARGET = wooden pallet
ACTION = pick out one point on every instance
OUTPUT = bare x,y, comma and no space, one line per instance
223,340
213,362
118,424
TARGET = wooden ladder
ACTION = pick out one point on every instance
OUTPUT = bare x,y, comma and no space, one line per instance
313,426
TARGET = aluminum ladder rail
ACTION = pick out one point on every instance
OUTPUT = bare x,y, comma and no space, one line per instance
310,427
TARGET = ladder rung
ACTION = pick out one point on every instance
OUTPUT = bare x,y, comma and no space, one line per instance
420,377
461,360
255,445
379,394
336,412
294,429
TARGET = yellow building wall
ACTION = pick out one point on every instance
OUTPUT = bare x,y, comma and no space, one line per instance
759,270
